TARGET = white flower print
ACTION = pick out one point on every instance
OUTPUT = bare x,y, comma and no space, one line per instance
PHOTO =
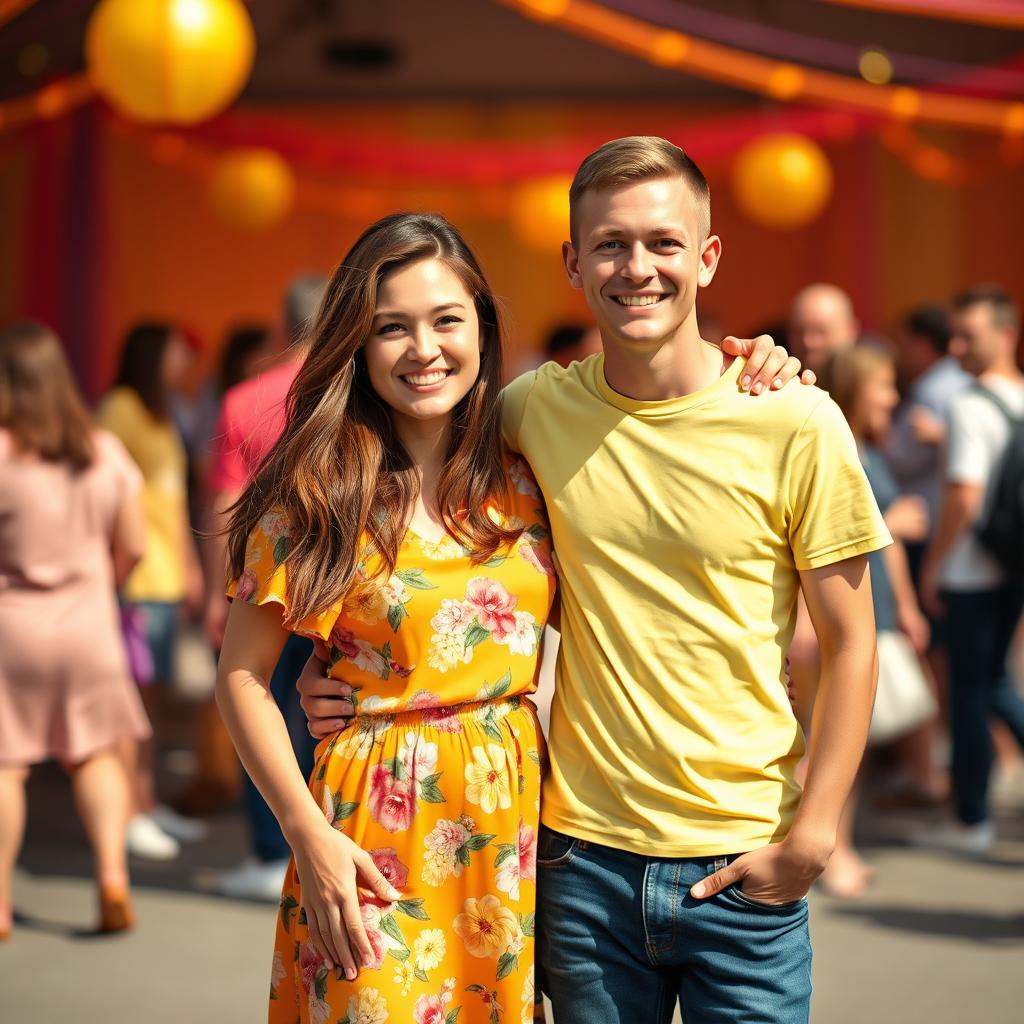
429,949
448,650
452,617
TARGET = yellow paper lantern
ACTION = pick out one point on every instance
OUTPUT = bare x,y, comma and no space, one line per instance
175,61
540,212
782,180
252,188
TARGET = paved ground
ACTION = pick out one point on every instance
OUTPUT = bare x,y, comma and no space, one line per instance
938,940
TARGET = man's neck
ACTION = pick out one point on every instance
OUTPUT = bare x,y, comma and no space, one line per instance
678,366
1002,371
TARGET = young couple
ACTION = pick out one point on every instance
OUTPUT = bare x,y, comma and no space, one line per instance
389,522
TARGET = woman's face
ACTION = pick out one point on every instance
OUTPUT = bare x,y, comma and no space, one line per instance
423,353
176,362
878,398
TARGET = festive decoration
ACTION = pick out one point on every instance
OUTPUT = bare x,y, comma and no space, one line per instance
782,180
10,9
540,212
176,61
54,100
1007,13
252,188
785,81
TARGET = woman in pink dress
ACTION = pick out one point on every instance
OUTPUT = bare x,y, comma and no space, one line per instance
70,530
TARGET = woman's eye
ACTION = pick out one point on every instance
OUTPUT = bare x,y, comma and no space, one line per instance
391,328
448,321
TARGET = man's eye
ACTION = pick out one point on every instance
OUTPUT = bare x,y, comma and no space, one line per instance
667,243
609,245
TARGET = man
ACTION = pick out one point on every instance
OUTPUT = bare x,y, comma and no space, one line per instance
821,321
675,852
960,577
252,416
929,378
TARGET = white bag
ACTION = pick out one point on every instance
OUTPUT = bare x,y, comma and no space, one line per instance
904,699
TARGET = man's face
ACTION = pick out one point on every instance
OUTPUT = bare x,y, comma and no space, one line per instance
820,324
639,260
977,341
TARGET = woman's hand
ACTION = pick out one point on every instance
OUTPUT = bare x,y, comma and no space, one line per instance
331,869
907,518
914,626
769,366
327,702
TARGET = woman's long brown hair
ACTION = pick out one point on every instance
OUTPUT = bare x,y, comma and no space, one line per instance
844,377
339,470
39,402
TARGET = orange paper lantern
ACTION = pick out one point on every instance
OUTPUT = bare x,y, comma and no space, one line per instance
175,61
252,188
540,212
782,180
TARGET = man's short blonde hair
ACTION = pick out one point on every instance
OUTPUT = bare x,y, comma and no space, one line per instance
638,158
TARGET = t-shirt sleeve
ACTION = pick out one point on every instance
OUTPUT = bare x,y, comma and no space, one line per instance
228,470
264,580
832,512
124,474
970,440
119,415
514,399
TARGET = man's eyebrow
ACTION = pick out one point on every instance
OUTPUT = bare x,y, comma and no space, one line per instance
436,309
613,232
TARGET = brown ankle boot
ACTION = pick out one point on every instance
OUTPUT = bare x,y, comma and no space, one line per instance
116,913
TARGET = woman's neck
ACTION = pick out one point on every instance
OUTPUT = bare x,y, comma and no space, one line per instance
426,442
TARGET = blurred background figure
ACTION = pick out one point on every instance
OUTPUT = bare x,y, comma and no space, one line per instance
247,347
862,381
71,530
821,321
252,416
961,577
154,361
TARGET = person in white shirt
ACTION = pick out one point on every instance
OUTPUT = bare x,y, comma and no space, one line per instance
961,577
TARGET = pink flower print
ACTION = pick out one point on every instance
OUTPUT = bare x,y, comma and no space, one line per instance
310,962
453,617
246,586
536,555
444,719
522,479
371,925
493,604
387,863
392,803
527,851
429,1010
400,670
343,640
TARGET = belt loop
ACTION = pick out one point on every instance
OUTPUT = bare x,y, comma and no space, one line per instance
721,862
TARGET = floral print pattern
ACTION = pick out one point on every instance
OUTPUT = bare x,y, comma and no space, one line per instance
437,776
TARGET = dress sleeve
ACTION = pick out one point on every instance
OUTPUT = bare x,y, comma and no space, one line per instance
264,579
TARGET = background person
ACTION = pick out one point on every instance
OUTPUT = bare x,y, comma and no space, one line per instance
154,359
71,529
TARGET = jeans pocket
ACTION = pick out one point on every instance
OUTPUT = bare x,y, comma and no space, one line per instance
554,849
739,894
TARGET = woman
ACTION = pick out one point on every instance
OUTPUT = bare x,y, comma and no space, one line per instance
862,382
153,361
70,530
388,522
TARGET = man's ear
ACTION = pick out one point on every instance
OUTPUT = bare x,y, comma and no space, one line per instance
572,265
710,254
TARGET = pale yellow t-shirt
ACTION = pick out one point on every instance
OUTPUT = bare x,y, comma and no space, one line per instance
157,450
679,528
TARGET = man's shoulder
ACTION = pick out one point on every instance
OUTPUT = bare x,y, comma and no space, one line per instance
789,410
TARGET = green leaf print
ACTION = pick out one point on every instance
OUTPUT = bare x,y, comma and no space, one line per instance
496,561
396,766
475,988
302,916
538,633
522,784
507,963
396,612
399,954
528,923
429,791
476,634
389,926
288,905
491,729
479,841
281,550
344,809
463,855
505,850
536,531
413,908
453,1015
421,974
534,755
320,983
414,578
500,688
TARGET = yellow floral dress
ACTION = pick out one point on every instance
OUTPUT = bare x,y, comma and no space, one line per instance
438,776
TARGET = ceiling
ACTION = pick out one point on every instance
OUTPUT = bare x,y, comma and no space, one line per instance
410,51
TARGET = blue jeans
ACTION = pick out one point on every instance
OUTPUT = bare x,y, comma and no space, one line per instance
620,941
268,841
981,627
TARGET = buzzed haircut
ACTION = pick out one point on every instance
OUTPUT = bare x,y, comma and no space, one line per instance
930,323
301,302
633,159
1005,312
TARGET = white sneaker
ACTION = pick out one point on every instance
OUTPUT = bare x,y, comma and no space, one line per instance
253,880
185,830
966,840
145,838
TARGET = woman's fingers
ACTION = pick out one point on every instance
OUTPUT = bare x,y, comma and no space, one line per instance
316,938
370,877
353,922
348,958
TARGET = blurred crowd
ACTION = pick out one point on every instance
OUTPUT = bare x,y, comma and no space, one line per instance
112,570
